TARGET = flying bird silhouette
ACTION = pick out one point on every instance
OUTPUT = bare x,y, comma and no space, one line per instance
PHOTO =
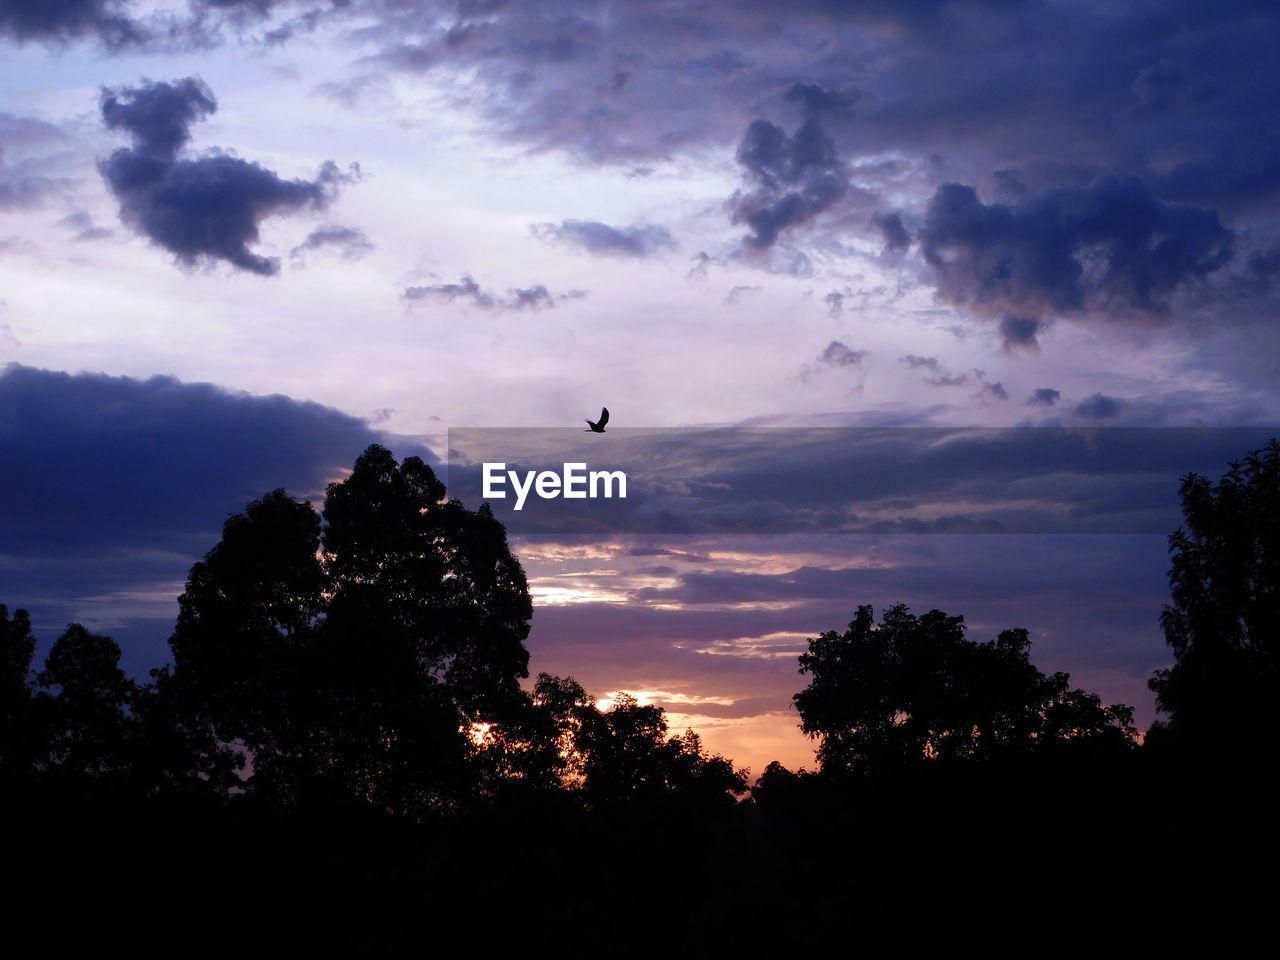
597,426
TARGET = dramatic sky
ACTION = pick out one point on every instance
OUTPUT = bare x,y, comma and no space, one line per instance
242,239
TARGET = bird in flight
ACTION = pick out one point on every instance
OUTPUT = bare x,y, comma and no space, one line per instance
597,426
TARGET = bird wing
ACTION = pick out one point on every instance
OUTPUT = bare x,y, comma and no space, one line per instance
604,416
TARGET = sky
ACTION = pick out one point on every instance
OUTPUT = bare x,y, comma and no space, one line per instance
240,240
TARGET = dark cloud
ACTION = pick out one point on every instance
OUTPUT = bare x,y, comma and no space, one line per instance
837,354
1044,396
202,209
1179,88
65,20
980,85
350,242
594,237
103,453
465,289
468,291
1098,407
938,375
1263,266
1176,94
124,483
1168,84
531,298
1111,246
896,239
992,390
835,303
1018,332
794,177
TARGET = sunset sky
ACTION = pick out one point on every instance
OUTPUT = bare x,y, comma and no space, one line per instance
240,241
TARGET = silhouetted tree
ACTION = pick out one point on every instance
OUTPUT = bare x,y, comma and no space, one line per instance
358,659
18,738
628,757
562,740
1223,623
913,690
86,709
176,754
536,747
244,645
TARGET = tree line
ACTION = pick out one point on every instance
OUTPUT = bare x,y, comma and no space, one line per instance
368,653
372,652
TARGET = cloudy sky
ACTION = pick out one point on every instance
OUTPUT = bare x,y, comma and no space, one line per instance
239,241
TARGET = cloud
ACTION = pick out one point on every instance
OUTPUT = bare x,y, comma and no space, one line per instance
61,21
350,242
595,237
85,229
21,188
992,390
896,239
737,294
1108,247
1044,396
837,354
1016,332
1168,84
530,298
1098,407
939,376
26,183
468,291
1264,265
202,209
702,262
794,177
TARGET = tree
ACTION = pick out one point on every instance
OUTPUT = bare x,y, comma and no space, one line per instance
87,709
914,690
607,758
537,746
354,654
244,642
1223,624
628,758
17,735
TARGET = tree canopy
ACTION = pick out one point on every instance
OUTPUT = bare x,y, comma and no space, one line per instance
1223,621
912,690
351,652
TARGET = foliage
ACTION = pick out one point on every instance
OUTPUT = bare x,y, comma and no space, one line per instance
619,756
353,658
914,689
17,648
1223,624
